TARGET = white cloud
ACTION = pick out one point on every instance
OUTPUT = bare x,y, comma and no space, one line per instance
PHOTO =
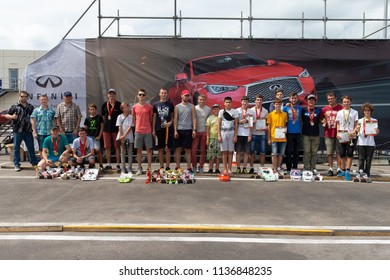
41,24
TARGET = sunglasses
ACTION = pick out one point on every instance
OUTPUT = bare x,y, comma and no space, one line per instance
186,95
141,94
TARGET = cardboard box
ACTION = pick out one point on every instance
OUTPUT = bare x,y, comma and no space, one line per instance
10,147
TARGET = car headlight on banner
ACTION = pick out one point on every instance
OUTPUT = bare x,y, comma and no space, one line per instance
304,74
218,89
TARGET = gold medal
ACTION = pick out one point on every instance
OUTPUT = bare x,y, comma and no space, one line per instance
109,117
55,153
312,123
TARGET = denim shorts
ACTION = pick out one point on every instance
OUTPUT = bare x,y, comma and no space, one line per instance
258,144
278,148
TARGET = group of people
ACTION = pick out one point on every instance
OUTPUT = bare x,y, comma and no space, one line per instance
216,133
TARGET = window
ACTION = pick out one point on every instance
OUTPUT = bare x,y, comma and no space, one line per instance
14,79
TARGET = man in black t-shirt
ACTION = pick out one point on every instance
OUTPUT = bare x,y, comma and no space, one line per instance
162,127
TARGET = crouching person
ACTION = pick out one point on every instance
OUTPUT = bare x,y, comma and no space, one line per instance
55,148
83,150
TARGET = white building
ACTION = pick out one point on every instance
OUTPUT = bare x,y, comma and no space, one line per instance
12,66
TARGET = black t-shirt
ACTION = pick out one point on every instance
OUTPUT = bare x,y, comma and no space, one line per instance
163,111
93,124
109,124
307,128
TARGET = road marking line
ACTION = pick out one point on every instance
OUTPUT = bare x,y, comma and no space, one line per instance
330,241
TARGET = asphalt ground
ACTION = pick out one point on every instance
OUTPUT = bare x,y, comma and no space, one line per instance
332,207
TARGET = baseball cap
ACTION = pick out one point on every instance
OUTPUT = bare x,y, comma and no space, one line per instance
311,96
215,106
111,90
184,92
67,93
55,127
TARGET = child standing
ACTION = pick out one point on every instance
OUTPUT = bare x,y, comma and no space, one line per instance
227,133
213,147
125,136
367,129
94,126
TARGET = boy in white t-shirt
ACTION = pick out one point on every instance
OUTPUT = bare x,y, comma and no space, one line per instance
346,121
124,122
227,133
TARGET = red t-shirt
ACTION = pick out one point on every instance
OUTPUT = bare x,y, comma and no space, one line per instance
143,115
330,117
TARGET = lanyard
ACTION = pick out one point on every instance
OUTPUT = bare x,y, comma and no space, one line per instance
82,146
311,114
294,113
55,145
346,117
112,108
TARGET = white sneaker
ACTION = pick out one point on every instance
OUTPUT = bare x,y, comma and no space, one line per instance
139,172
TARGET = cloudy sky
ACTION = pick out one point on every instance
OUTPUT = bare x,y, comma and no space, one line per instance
41,24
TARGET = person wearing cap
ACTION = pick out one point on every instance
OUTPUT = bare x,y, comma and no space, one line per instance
246,117
330,131
277,128
42,120
111,109
184,128
213,147
346,121
55,148
202,112
20,114
311,117
278,95
163,128
258,133
68,115
294,132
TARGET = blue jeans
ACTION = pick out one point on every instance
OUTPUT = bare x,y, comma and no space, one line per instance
29,141
70,137
258,144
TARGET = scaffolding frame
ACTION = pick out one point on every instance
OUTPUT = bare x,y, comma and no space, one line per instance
177,19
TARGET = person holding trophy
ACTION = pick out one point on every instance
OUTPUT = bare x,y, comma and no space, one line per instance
346,121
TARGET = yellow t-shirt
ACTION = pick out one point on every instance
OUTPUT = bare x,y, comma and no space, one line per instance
275,120
212,122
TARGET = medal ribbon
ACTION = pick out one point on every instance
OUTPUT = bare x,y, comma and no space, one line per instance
258,115
112,108
243,113
346,118
311,114
82,146
55,145
294,113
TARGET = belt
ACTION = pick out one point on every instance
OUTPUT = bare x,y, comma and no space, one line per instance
227,129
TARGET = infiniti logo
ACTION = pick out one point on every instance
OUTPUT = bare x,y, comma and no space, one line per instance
275,87
43,81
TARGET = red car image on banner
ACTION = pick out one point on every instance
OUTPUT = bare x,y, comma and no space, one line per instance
239,74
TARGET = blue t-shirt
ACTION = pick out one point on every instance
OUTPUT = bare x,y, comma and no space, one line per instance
293,127
48,144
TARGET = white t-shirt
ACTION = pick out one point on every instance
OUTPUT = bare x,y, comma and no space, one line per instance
365,141
227,125
263,114
243,114
347,119
201,117
125,123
